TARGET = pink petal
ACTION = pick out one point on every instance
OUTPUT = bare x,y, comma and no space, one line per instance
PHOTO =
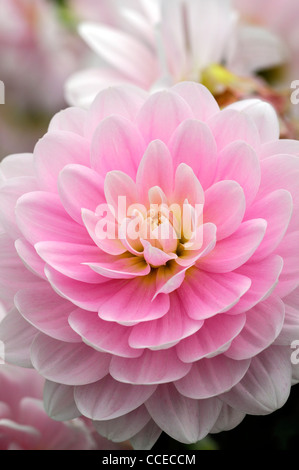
290,329
155,169
210,377
266,386
147,437
193,144
225,207
80,188
71,259
67,363
161,114
187,187
289,278
70,120
123,428
59,402
109,399
239,162
30,258
231,253
155,256
123,267
277,209
18,165
279,147
173,327
153,367
263,115
117,145
10,192
119,185
229,418
230,126
122,101
264,277
183,419
200,100
41,217
263,324
103,336
55,312
201,244
56,150
198,292
17,336
281,172
112,246
215,335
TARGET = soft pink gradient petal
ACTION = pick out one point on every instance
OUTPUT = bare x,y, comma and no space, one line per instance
80,188
155,169
197,292
161,114
225,207
263,324
109,399
116,145
264,277
266,386
56,150
152,367
125,427
30,258
66,363
101,335
56,311
211,377
41,217
193,144
166,331
234,251
289,278
59,401
70,120
182,418
239,162
200,100
230,126
215,335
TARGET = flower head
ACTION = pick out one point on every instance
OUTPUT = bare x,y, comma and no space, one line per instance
150,260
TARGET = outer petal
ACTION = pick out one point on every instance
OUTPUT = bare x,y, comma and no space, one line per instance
41,217
66,363
210,377
263,324
182,418
47,312
59,402
266,386
109,399
56,150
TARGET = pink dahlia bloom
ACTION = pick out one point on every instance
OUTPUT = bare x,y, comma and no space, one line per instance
24,425
150,258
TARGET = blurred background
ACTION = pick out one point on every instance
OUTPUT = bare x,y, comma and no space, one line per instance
40,48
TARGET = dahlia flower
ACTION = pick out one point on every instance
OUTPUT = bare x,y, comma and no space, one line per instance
149,255
166,41
24,425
